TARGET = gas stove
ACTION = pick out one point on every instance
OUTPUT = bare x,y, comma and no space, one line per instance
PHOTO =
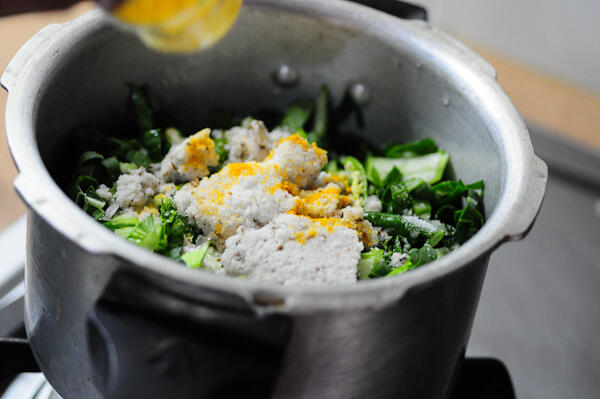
535,293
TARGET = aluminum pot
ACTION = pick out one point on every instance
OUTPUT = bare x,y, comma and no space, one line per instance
108,319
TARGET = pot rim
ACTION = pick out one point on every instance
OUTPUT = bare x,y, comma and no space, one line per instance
519,202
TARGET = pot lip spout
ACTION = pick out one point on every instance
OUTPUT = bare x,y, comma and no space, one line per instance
522,192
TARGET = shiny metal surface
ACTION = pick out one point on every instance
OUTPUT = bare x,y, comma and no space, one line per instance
30,386
345,340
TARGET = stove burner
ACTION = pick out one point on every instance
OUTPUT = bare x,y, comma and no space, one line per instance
30,386
480,378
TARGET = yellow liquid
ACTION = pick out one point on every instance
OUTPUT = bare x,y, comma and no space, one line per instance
179,26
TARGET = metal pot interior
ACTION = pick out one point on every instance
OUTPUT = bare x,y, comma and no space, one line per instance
412,95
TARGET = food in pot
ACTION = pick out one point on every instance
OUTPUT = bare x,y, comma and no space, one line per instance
301,203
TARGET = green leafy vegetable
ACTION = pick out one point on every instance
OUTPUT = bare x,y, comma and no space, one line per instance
420,256
422,209
369,261
332,166
194,259
411,149
173,136
399,270
146,234
221,147
140,157
174,229
400,197
89,156
416,257
373,175
112,167
212,259
393,177
357,177
296,116
424,216
410,226
429,167
87,198
468,221
127,167
153,143
119,222
321,120
142,108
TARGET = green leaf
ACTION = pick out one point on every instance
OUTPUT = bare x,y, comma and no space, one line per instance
119,222
321,120
221,147
417,257
87,198
168,211
468,221
421,256
303,134
368,261
146,234
385,220
405,225
422,209
127,167
140,157
152,142
173,136
372,173
411,149
90,164
393,177
124,231
402,269
142,108
195,258
121,148
436,237
413,183
174,229
446,214
380,270
89,156
332,166
400,198
358,178
296,116
451,191
429,167
112,167
86,183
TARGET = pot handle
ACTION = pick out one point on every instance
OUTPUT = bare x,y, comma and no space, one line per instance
145,342
396,8
26,52
528,202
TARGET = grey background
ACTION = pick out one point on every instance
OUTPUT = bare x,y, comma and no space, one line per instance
540,308
559,37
